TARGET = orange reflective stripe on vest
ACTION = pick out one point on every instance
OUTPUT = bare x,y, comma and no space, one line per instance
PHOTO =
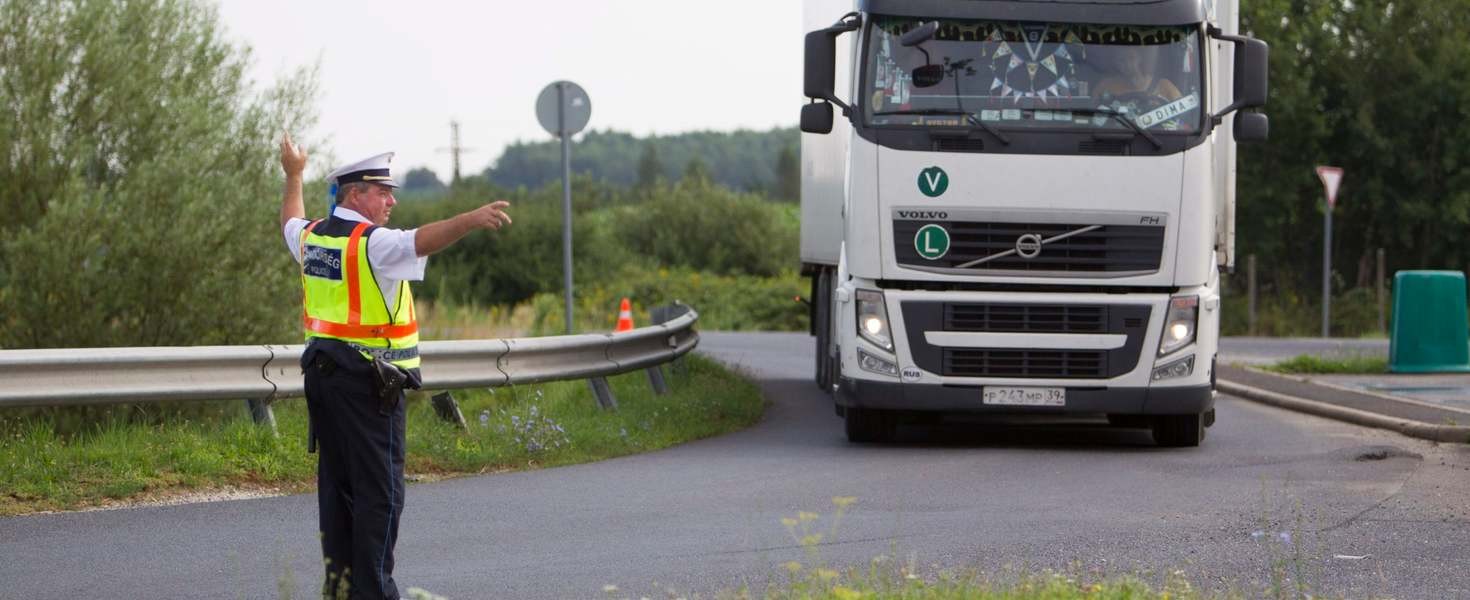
344,330
354,292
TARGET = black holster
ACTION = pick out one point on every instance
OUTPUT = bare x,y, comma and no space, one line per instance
388,382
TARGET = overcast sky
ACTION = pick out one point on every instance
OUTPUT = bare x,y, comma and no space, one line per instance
394,74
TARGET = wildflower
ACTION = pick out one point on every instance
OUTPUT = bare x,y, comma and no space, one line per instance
844,501
811,539
609,589
788,521
806,516
826,574
846,593
794,567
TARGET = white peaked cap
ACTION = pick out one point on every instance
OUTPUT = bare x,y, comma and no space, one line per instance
370,170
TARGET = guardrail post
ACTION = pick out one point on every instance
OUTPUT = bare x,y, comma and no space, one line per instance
603,392
656,380
261,413
448,409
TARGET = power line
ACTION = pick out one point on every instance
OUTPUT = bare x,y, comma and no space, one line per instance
455,149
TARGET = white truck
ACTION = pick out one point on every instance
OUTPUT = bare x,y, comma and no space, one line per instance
1023,206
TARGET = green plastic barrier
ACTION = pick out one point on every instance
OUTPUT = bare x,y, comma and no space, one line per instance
1430,333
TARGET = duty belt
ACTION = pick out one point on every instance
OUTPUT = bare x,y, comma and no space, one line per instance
388,354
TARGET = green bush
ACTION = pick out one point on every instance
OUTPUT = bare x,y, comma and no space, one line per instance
727,303
705,227
136,161
1287,313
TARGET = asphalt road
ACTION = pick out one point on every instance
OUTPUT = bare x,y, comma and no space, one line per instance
1268,487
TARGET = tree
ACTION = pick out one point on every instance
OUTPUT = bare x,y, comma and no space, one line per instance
1376,87
788,175
695,171
649,167
141,179
740,160
422,179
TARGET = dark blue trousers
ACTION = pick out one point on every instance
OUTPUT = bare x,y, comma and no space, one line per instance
359,480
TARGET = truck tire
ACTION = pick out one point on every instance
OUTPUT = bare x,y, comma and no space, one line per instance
1179,431
868,426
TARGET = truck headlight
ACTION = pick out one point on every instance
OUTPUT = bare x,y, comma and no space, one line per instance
872,319
1179,324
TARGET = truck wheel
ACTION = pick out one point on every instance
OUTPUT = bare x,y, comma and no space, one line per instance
1179,431
868,426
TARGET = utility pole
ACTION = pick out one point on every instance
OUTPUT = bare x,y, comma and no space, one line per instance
455,149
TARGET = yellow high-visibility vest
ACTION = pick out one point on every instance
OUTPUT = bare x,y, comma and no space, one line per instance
341,298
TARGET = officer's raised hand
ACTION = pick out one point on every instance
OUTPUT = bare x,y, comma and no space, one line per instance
293,158
293,162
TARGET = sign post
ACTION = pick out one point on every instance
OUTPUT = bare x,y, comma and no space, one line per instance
1331,180
563,109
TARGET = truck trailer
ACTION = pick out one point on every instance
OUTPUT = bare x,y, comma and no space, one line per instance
1023,207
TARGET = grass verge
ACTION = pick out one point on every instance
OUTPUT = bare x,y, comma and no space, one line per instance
47,465
1314,365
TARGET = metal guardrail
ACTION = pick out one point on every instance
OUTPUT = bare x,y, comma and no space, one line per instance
74,376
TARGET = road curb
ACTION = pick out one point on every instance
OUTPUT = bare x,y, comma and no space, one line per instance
1438,433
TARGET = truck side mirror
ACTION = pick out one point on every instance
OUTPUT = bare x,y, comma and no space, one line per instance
821,56
1252,63
1251,127
821,67
816,118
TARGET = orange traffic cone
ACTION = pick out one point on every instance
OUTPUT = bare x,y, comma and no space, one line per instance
625,317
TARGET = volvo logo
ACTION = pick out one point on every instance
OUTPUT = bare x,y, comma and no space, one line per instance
1028,246
923,214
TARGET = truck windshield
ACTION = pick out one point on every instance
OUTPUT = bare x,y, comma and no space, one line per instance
1035,76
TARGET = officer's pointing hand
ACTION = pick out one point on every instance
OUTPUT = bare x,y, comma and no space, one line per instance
492,215
293,158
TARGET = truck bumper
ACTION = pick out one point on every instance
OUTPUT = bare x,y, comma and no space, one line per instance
1080,400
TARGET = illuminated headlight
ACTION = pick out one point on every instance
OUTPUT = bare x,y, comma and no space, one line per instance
1179,324
874,364
872,319
1179,368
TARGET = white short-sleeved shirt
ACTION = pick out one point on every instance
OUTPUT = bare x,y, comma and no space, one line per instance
391,252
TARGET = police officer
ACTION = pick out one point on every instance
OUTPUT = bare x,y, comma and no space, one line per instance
361,349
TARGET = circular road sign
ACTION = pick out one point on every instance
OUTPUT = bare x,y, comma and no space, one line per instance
563,107
932,242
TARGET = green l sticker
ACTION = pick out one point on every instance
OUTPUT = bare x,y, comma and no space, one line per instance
933,181
932,242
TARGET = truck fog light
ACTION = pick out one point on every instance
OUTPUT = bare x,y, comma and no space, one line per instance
1174,370
872,319
874,364
1179,324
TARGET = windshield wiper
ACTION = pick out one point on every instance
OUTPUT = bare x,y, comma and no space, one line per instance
969,116
1123,118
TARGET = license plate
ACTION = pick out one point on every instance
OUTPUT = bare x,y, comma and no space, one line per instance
1025,396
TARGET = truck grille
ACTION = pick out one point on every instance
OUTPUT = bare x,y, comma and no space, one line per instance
1026,318
1107,249
1010,362
920,317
